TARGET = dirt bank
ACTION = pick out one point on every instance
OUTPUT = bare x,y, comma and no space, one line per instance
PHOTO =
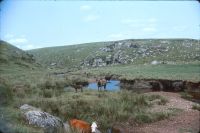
149,85
187,121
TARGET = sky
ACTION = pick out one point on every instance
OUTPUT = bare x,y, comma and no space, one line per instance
30,24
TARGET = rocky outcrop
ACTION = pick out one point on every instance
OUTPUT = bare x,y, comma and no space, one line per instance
149,51
36,117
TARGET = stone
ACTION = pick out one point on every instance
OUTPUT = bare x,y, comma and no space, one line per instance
36,117
25,108
155,62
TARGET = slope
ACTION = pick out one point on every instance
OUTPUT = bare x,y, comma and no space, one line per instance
132,51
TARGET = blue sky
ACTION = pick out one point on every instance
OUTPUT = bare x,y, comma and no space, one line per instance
30,24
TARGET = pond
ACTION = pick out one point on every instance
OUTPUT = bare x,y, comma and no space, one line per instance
112,85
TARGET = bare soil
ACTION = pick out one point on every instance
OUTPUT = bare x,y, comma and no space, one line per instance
187,121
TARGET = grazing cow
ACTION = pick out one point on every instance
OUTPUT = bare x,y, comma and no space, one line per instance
82,126
77,86
108,77
101,83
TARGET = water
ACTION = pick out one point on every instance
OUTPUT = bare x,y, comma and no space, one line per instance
112,85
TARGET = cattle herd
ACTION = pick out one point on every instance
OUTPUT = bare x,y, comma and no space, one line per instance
101,83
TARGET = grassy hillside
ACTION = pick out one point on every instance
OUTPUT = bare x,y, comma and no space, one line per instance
65,56
180,71
10,53
137,51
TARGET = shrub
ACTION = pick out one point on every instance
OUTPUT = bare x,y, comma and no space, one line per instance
5,92
48,93
196,106
186,95
51,87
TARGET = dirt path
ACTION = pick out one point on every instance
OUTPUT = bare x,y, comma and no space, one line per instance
185,122
188,121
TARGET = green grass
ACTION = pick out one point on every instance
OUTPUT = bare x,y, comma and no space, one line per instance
163,71
106,108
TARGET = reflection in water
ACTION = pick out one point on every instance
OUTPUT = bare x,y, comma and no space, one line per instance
112,85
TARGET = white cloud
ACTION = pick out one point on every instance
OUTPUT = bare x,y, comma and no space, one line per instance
17,40
85,8
90,18
128,21
149,29
20,42
8,36
179,28
143,26
29,46
139,23
118,35
152,20
26,46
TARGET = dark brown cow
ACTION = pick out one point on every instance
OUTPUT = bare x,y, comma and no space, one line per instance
78,86
108,77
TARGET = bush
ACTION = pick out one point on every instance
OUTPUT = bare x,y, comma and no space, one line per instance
47,93
5,92
51,87
196,106
186,95
77,80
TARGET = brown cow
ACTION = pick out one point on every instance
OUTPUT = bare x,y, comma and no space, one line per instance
80,126
101,83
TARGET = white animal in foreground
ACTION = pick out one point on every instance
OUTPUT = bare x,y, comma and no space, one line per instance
94,127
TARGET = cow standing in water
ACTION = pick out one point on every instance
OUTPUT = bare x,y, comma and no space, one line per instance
101,83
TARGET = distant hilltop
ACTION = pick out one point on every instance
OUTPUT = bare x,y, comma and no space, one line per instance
131,51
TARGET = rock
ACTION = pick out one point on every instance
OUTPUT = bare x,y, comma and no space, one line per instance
155,62
34,116
140,84
156,85
178,85
25,108
53,64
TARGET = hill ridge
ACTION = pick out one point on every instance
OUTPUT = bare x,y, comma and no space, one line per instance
129,51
